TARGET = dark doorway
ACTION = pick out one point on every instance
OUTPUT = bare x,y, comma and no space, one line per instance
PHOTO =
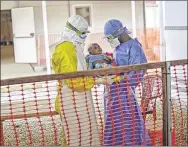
6,28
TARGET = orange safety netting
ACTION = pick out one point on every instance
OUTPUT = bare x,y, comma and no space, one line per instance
125,113
179,96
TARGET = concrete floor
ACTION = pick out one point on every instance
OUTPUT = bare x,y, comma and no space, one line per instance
9,69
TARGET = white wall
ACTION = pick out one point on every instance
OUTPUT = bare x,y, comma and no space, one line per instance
7,5
176,40
139,14
102,12
57,12
152,16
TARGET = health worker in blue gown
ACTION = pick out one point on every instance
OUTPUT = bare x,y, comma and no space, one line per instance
124,123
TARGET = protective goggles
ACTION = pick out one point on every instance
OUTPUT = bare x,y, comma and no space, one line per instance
79,33
117,33
113,35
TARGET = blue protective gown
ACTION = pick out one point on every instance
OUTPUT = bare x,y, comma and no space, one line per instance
124,123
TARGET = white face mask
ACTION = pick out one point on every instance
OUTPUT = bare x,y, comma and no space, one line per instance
114,42
83,36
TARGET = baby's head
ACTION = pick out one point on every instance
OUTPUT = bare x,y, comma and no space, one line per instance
94,49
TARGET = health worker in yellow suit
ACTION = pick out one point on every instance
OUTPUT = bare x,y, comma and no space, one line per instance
68,57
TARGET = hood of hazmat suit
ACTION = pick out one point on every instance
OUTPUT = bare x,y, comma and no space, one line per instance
74,36
124,123
74,93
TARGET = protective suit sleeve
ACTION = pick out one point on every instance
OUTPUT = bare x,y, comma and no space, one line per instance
64,60
137,57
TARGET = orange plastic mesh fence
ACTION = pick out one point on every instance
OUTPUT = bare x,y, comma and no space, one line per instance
129,112
179,96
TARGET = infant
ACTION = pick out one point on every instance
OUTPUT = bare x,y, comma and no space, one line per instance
96,59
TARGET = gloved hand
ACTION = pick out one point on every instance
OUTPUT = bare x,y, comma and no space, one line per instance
112,79
100,81
108,80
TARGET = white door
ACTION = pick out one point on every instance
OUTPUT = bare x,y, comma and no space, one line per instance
24,35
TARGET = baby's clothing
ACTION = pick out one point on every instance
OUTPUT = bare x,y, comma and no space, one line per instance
98,61
101,65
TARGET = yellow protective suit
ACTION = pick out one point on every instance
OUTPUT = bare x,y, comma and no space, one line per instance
64,59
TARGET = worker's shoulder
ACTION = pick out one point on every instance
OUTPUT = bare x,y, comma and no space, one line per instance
136,43
64,46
